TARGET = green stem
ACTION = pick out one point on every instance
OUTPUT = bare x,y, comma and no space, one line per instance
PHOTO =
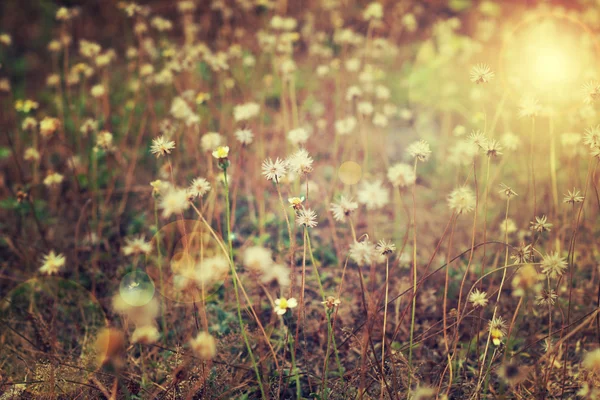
235,287
160,271
414,299
329,323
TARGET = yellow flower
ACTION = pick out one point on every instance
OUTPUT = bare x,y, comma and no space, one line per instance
221,152
296,202
202,97
48,126
26,106
52,263
282,305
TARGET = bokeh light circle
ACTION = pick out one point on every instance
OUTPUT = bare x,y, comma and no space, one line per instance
136,288
48,329
350,173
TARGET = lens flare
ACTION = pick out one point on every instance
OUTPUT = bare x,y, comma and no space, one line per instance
550,57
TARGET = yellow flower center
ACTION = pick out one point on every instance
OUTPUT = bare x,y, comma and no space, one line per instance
221,152
283,304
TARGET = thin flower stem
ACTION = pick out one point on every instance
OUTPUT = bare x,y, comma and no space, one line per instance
385,305
322,291
235,286
487,344
414,299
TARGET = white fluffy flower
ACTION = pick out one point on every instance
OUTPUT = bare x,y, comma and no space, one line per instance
461,200
343,208
401,175
373,194
244,136
419,150
300,162
298,136
174,201
274,170
246,111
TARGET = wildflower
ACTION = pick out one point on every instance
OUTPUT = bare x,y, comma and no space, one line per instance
373,11
508,226
199,187
478,298
373,194
385,248
526,279
591,92
507,191
159,187
204,345
221,152
97,91
244,136
419,150
88,126
492,148
345,126
497,327
5,39
274,170
481,73
48,126
363,252
174,201
331,302
529,107
511,141
161,146
343,208
52,263
104,141
459,130
307,217
365,107
283,304
147,334
26,106
245,111
553,265
136,245
31,154
463,153
353,92
298,136
592,136
478,138
258,258
296,202
380,120
591,360
53,179
210,141
29,124
300,162
541,224
522,254
546,297
461,200
401,175
573,197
